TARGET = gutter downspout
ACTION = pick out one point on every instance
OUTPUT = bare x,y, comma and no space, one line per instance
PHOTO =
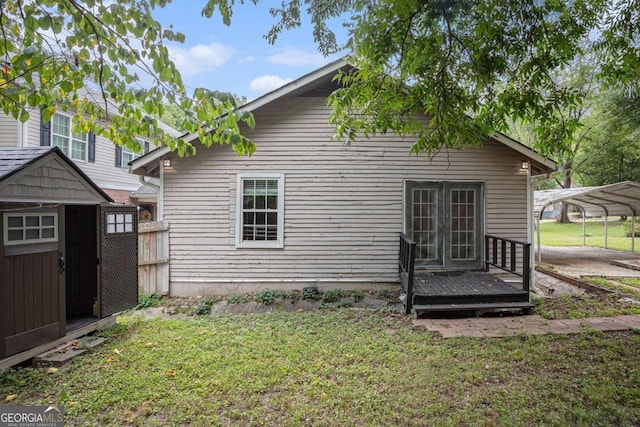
158,188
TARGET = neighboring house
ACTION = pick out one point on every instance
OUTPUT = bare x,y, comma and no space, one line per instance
68,256
103,161
305,210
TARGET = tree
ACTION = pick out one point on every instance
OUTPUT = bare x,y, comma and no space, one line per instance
470,66
174,116
613,152
90,58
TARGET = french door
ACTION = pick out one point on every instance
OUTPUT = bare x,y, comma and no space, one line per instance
445,220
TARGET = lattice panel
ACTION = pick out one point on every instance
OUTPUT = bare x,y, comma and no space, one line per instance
119,259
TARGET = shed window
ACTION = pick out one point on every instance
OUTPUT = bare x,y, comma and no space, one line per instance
260,213
119,223
73,144
27,228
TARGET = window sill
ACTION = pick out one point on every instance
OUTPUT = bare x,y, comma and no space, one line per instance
260,245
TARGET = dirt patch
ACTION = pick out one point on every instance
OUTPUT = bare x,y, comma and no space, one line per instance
285,302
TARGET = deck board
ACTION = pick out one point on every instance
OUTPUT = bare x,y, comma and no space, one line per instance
463,287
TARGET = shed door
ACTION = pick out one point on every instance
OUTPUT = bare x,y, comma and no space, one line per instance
118,259
445,221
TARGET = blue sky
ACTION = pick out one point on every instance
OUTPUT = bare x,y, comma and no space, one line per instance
237,58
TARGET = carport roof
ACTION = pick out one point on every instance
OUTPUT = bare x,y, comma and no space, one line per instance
622,198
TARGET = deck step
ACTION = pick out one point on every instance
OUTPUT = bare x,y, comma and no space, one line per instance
471,307
64,353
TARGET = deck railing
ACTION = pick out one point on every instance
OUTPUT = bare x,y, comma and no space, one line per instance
406,266
496,249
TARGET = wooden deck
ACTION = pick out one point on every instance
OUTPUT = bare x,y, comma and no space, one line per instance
476,291
465,290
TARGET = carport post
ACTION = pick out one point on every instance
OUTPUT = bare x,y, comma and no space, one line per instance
606,229
584,226
539,247
633,233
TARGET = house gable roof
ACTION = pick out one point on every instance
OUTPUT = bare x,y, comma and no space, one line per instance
320,83
50,176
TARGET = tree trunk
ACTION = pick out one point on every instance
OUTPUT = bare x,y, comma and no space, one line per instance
563,218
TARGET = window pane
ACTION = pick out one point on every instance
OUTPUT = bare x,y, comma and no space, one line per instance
61,124
111,218
32,234
120,228
48,220
14,235
272,202
119,218
128,227
111,228
128,218
33,221
248,187
14,221
78,150
272,218
248,202
48,233
260,202
261,218
60,142
272,233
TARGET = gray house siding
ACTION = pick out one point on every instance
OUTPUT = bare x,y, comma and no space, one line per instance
8,131
343,204
103,171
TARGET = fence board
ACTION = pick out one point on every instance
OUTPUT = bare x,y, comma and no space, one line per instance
153,257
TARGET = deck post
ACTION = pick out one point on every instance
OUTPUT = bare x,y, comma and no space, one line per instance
526,267
406,266
486,253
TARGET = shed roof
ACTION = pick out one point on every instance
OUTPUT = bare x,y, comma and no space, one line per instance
622,198
321,83
16,162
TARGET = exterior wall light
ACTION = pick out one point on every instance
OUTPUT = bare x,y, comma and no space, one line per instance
166,163
524,165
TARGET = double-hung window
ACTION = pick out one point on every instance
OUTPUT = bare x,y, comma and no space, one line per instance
128,155
260,211
73,144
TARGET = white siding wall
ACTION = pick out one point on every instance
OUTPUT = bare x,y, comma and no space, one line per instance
8,131
103,172
343,204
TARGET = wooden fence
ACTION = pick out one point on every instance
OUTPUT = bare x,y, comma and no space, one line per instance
153,257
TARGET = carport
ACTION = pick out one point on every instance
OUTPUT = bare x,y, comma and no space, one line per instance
622,198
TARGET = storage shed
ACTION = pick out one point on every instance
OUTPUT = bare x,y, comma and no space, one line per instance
68,255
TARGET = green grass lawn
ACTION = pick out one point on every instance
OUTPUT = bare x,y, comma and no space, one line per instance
555,234
336,368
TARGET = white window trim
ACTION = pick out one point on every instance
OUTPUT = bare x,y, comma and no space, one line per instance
70,139
266,244
5,225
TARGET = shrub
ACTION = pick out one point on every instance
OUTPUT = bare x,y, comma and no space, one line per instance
147,301
357,295
627,227
268,296
204,306
310,293
332,295
238,298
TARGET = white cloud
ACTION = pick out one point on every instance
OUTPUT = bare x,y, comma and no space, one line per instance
267,83
199,58
297,57
246,59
